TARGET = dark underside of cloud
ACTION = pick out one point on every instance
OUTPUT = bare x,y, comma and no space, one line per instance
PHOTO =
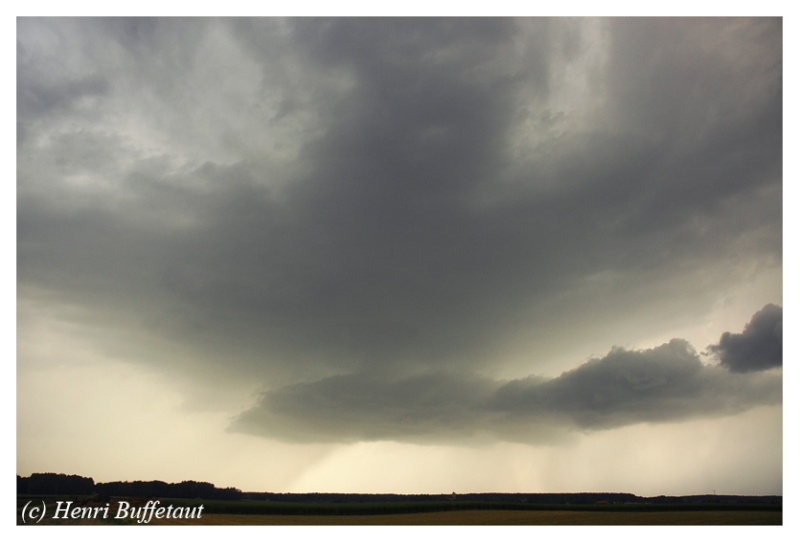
370,216
667,383
758,347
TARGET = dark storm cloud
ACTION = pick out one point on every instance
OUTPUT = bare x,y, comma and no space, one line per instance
664,384
625,387
758,347
295,199
434,406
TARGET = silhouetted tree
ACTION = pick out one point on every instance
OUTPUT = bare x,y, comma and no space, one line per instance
59,483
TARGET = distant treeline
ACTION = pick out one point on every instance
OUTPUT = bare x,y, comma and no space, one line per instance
61,484
517,500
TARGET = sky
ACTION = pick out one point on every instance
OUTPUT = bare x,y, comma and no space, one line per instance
402,255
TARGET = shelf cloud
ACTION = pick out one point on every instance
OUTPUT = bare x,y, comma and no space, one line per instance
667,383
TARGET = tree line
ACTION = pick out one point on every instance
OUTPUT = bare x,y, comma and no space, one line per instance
76,485
61,484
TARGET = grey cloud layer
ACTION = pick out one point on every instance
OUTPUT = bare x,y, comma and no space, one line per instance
758,347
293,199
667,383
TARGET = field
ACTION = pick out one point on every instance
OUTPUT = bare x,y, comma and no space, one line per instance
259,513
502,518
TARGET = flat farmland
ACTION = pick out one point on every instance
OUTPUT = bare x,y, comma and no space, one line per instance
426,513
498,518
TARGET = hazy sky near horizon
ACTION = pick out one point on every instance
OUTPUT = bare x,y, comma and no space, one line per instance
402,255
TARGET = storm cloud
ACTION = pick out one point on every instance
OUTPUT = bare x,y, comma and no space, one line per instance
375,229
663,384
758,347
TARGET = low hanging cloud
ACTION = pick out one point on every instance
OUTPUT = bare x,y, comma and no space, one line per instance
666,383
758,347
